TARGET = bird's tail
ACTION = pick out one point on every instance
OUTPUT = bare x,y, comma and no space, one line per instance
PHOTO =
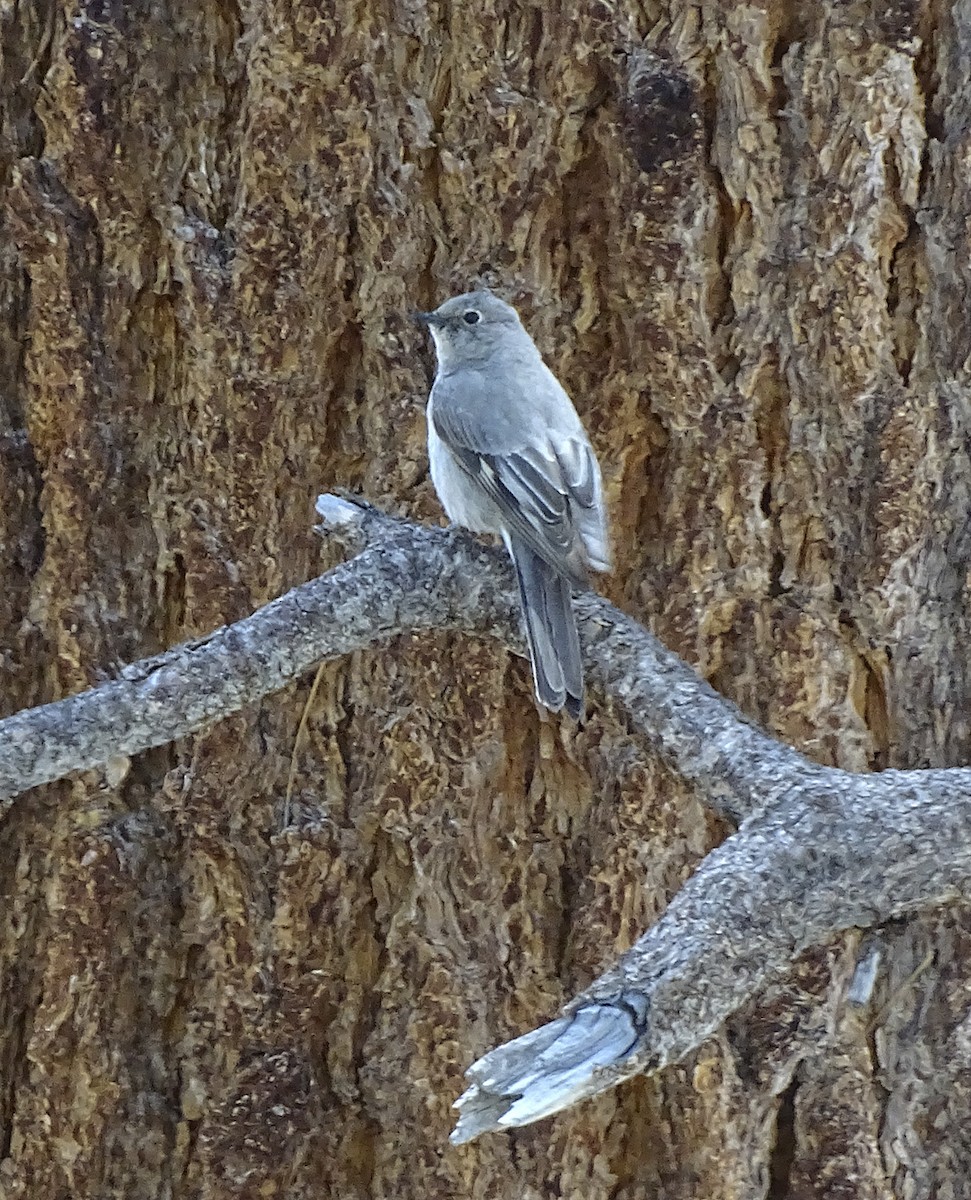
551,630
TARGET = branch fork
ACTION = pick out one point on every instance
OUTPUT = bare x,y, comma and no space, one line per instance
817,850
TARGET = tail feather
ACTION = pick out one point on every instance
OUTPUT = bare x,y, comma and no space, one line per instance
551,631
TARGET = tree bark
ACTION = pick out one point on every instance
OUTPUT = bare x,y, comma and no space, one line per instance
258,960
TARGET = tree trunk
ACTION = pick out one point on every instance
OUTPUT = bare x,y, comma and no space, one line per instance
257,962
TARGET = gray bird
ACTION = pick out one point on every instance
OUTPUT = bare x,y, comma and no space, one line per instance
509,456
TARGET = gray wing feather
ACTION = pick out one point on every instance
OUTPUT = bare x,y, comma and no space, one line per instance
579,471
548,496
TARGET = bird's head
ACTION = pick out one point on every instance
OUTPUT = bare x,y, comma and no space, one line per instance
471,327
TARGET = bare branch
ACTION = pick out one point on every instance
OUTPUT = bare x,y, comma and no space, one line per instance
820,850
407,578
702,736
840,851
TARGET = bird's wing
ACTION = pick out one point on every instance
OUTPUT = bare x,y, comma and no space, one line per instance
543,489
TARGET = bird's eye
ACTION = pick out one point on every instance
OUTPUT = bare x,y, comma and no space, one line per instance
471,317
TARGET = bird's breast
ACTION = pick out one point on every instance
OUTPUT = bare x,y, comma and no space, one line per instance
463,500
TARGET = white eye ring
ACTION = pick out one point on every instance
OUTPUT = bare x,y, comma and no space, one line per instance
471,317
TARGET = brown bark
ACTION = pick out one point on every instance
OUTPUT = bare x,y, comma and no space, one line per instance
739,233
821,850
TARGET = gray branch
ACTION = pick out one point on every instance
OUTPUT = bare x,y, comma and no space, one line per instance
405,579
818,850
837,851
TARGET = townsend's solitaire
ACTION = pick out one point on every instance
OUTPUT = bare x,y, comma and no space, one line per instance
508,455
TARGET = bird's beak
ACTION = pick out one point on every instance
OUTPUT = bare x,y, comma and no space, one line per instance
425,318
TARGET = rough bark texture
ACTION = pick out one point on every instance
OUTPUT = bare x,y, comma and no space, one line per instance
822,850
739,232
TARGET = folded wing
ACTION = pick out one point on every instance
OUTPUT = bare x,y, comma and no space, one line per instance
546,488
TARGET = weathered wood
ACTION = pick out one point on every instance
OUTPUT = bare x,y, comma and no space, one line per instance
739,233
